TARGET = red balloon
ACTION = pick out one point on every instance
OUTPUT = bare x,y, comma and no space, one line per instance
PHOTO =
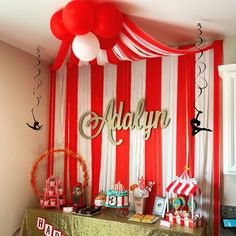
107,43
78,17
108,21
58,28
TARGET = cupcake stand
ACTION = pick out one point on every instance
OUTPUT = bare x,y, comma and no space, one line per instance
185,202
53,193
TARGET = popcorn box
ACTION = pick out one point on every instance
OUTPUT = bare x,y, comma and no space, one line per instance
139,204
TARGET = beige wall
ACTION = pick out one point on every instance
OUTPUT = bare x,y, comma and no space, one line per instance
19,145
229,54
228,186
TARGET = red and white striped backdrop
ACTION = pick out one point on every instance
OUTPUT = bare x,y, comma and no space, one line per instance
165,83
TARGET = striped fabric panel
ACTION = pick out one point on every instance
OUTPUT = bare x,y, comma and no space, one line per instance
204,140
84,105
169,103
137,143
108,158
160,158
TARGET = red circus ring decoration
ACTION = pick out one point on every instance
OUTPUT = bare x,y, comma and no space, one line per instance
50,152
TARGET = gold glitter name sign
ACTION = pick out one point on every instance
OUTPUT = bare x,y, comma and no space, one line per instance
139,119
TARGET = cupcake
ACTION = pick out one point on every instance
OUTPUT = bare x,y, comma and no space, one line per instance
100,199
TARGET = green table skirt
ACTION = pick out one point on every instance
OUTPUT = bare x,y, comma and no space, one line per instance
105,223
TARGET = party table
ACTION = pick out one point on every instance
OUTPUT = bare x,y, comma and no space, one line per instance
56,223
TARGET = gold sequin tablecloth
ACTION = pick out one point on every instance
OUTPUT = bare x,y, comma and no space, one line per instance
104,224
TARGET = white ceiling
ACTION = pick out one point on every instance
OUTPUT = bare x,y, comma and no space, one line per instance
25,24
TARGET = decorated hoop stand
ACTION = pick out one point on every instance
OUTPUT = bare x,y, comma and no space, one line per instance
58,183
183,209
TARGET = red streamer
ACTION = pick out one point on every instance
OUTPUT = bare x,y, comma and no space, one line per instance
153,146
61,56
123,93
96,106
218,50
51,121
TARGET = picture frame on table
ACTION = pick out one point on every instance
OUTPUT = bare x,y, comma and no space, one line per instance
159,207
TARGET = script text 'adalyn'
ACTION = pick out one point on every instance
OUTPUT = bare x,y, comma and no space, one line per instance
140,119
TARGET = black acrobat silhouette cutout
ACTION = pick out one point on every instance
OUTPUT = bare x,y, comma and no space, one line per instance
195,123
36,125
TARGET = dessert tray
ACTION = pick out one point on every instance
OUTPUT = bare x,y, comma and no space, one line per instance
88,211
148,219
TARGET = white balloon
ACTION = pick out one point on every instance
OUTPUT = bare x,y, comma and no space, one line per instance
86,47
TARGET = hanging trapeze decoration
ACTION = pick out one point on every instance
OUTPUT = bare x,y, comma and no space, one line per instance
36,125
201,66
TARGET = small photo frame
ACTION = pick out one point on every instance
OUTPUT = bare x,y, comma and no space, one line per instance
159,207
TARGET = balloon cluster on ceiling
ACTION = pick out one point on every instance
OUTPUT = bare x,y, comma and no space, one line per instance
89,26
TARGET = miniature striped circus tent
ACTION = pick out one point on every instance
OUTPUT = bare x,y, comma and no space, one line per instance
184,185
119,187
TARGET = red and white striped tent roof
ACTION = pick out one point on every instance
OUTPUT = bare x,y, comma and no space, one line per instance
184,185
133,45
119,187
